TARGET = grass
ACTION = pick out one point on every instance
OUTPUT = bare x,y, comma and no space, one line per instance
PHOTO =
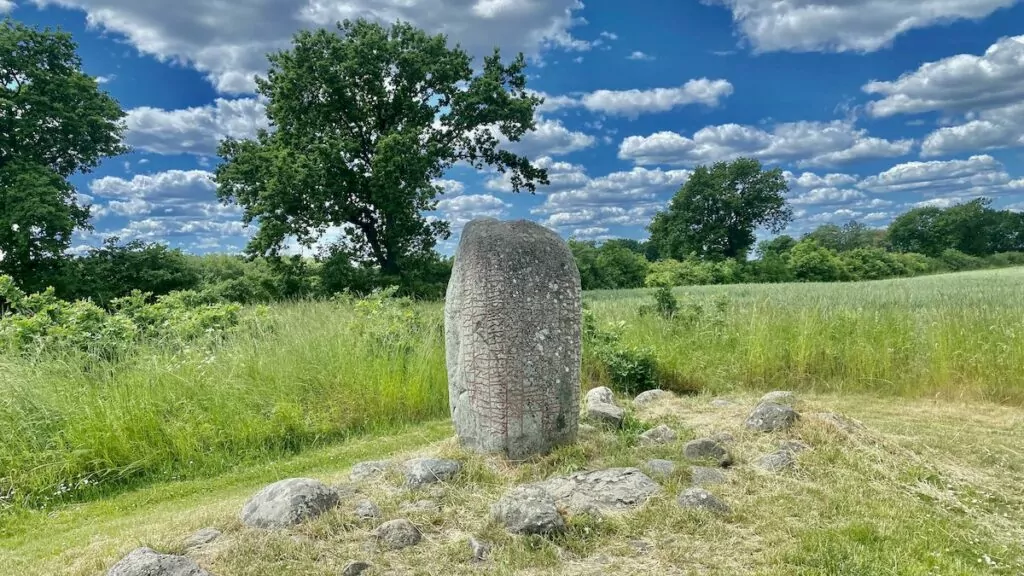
318,373
924,487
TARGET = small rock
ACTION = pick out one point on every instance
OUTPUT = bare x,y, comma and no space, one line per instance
148,562
776,461
423,471
784,397
365,509
288,502
660,434
355,568
370,469
700,499
606,413
608,490
397,534
421,506
600,395
794,446
661,468
479,548
528,510
705,476
723,437
651,397
201,538
769,417
722,403
707,448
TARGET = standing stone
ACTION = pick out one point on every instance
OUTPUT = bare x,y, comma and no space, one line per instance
512,339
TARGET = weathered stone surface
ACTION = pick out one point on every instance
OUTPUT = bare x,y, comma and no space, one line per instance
479,549
707,449
600,395
723,437
528,509
660,434
366,509
355,568
776,461
148,562
660,468
397,534
784,397
287,503
201,538
423,471
512,339
652,397
368,470
794,446
421,506
700,499
705,476
609,490
769,417
722,403
609,414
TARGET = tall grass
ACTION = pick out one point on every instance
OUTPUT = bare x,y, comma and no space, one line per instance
317,372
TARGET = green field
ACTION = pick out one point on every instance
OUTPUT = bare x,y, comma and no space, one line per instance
311,374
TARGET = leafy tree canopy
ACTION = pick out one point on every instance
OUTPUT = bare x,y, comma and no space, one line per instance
54,122
362,122
714,215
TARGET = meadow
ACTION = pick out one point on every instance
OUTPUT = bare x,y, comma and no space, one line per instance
308,375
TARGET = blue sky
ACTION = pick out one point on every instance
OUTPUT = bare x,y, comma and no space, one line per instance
870,106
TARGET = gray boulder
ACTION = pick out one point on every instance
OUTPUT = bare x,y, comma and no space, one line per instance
365,509
651,397
423,471
707,449
355,568
600,395
723,437
369,470
201,538
609,414
660,434
776,461
706,476
148,562
784,397
397,534
512,321
528,510
288,502
769,417
701,499
660,468
609,490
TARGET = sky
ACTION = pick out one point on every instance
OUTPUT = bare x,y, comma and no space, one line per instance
871,107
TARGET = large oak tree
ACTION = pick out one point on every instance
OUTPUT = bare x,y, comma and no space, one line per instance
362,122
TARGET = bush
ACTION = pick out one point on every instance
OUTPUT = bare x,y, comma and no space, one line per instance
629,369
813,263
957,260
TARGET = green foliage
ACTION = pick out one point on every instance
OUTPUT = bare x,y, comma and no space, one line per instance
629,369
114,270
714,215
412,107
54,122
614,264
813,263
665,303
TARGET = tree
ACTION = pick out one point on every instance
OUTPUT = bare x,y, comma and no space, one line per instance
115,269
362,122
920,230
54,122
714,215
776,247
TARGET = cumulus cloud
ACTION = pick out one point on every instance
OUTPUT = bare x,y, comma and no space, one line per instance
986,130
551,138
979,174
635,186
562,175
826,196
847,26
461,209
805,143
228,42
632,103
196,130
6,6
638,55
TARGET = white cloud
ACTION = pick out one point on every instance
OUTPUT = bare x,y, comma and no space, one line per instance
450,188
632,103
551,138
988,130
805,143
602,216
228,41
826,196
7,6
638,55
811,180
847,25
956,84
591,233
461,209
839,214
609,35
99,79
196,130
562,175
633,187
980,174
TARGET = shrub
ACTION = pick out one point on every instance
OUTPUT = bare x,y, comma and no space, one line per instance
813,263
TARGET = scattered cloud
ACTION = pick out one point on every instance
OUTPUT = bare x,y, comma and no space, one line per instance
632,103
196,130
638,55
980,174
